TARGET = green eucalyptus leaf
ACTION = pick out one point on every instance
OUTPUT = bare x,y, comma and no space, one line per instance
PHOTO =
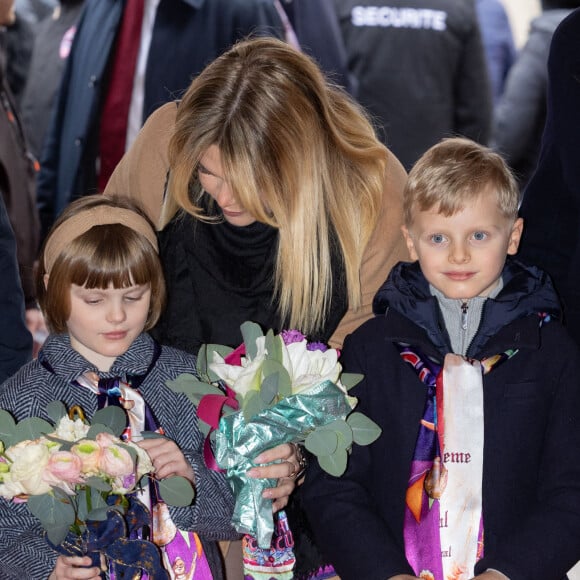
7,428
176,491
201,361
193,387
274,344
250,333
83,504
183,383
342,430
364,430
252,405
334,464
131,451
97,500
349,380
94,430
227,410
321,442
51,510
31,428
64,444
98,484
56,411
112,417
269,389
270,367
57,533
63,495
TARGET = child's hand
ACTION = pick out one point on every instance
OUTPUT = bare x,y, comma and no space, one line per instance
74,567
167,458
284,471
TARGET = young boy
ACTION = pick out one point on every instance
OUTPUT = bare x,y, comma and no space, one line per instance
472,380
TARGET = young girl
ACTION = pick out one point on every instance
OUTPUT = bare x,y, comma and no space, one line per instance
100,286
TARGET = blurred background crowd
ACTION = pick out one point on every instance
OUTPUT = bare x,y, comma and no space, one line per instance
80,77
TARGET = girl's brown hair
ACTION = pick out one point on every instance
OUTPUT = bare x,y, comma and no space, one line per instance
106,254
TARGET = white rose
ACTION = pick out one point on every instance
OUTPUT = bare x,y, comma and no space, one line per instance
310,367
10,489
71,430
29,458
245,378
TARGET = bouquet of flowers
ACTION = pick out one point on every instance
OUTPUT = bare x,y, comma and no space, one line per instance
76,478
273,389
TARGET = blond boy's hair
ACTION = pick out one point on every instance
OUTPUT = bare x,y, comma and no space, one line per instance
454,172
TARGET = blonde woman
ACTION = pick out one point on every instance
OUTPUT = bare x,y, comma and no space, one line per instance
279,204
276,202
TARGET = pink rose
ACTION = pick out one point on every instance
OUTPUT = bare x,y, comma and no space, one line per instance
116,461
63,468
105,439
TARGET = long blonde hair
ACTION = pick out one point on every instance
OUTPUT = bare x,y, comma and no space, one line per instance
300,155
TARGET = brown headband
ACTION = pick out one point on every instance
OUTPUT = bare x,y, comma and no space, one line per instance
81,223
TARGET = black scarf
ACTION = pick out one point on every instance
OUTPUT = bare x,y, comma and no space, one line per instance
219,275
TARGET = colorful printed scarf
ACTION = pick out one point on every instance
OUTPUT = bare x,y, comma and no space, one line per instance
443,526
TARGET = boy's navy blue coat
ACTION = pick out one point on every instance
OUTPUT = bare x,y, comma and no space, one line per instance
531,471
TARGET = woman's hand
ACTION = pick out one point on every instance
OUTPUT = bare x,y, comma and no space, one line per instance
289,468
78,567
167,458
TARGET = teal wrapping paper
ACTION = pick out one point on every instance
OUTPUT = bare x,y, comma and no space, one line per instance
238,443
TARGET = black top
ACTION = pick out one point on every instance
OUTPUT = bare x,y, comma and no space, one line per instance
219,276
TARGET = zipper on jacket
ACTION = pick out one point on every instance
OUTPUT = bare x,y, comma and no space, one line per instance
464,308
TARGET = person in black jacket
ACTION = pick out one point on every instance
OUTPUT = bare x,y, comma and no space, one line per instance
318,33
421,70
15,340
520,114
17,173
52,44
551,204
461,319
